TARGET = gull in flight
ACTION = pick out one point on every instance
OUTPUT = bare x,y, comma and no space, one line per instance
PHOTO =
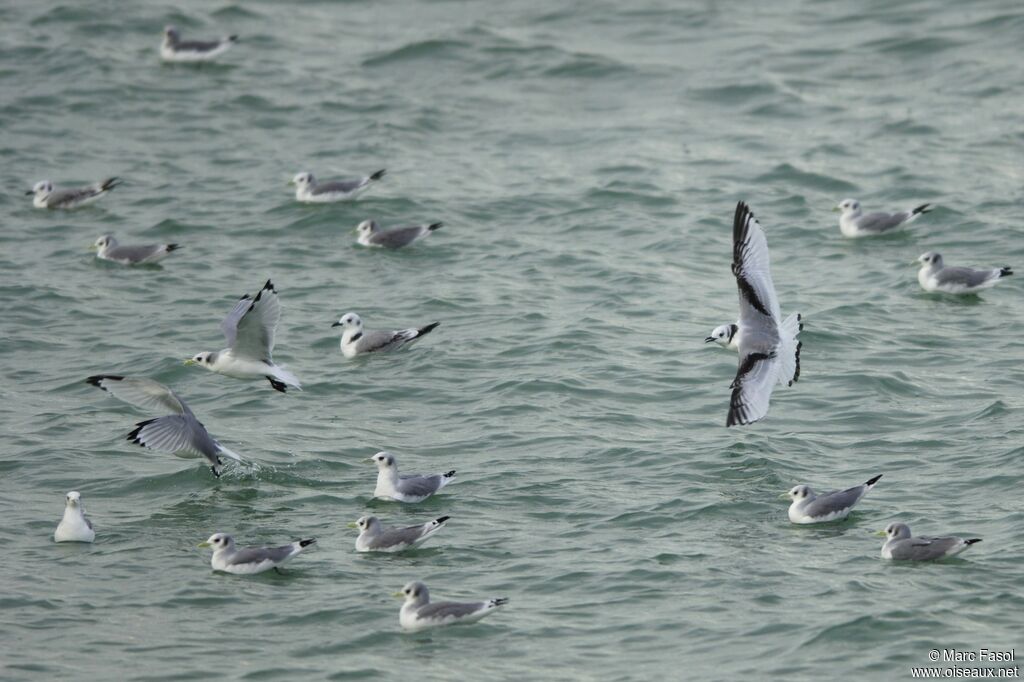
418,613
934,276
308,190
355,341
249,329
46,196
901,546
250,560
179,433
74,527
854,223
769,350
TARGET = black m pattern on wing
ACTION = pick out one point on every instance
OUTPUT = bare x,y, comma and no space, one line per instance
740,236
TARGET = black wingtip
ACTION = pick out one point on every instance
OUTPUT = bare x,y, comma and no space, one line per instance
435,226
379,174
110,183
450,474
173,247
269,286
796,372
1005,272
307,542
441,519
923,208
872,481
500,601
971,541
134,435
233,39
278,386
426,330
96,380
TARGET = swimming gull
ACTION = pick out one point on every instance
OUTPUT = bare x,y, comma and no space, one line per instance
74,527
808,507
312,192
408,487
250,560
375,537
370,234
355,341
107,248
180,433
174,49
934,276
769,351
854,223
418,613
249,329
46,196
899,545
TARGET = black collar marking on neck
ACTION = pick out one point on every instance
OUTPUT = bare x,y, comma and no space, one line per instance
356,337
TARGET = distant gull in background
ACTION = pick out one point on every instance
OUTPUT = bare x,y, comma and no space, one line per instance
174,49
250,560
769,351
370,234
74,527
355,341
249,329
107,248
853,223
725,336
409,488
46,196
807,507
375,537
899,545
180,433
418,613
310,191
934,276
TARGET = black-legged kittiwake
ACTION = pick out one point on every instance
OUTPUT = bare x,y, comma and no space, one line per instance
355,341
179,433
375,537
408,487
935,276
901,546
107,248
46,196
250,560
308,190
418,613
74,526
854,223
249,329
809,507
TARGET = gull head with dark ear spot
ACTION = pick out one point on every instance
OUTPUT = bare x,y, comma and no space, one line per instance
848,206
722,335
931,259
799,492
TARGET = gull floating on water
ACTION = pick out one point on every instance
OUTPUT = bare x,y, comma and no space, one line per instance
355,341
934,276
249,329
250,560
408,487
418,613
180,433
769,351
375,537
310,191
899,545
807,507
74,527
854,223
107,248
174,49
370,234
46,196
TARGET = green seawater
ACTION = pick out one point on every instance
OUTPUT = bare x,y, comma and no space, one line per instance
586,158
